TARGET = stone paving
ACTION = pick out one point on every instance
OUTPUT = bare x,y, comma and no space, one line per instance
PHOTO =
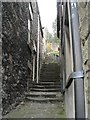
38,110
29,109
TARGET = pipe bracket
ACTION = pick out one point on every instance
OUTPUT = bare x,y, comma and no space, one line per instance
74,76
77,74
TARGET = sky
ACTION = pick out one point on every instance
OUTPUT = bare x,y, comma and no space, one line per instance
47,10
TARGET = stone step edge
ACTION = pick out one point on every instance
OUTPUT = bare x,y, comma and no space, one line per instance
44,100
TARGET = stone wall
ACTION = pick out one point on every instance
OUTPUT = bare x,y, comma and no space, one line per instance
85,36
16,52
0,60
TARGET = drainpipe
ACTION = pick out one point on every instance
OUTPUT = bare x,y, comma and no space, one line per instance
77,60
38,51
33,68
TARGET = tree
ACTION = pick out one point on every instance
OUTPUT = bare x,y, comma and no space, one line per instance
55,38
48,36
54,27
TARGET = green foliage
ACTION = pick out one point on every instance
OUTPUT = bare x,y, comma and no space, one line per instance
52,38
55,39
48,35
54,26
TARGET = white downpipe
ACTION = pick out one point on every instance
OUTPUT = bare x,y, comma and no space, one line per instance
38,51
34,68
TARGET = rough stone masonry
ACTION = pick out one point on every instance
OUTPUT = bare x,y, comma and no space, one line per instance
84,9
17,49
15,52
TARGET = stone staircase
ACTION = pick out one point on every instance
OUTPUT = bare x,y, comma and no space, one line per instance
48,88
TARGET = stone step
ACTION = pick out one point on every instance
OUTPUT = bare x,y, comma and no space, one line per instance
49,86
48,83
50,70
50,73
49,80
46,86
51,66
41,99
53,73
38,86
45,90
50,76
41,94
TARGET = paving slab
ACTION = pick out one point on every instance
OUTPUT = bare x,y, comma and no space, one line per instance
38,110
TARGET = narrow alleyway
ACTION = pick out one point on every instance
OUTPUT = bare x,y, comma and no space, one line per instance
44,61
44,99
37,110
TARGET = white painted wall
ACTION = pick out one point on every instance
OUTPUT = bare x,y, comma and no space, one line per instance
38,50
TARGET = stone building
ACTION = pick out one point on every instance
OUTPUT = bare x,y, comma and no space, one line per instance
84,29
84,10
21,50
